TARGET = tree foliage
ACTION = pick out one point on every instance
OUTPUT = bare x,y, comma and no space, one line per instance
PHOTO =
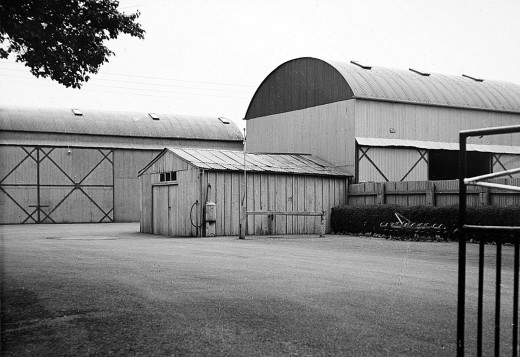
63,39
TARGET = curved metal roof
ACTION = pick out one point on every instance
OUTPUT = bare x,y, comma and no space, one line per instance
307,82
394,85
112,123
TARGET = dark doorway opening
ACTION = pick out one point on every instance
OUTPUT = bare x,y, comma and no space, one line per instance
444,164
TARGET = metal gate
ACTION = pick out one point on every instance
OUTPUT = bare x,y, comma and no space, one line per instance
56,185
499,232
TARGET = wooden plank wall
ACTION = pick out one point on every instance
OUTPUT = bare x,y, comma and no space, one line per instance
325,131
146,203
17,171
395,163
127,164
274,192
419,122
181,199
433,193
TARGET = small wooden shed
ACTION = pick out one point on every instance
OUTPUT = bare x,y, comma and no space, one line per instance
179,183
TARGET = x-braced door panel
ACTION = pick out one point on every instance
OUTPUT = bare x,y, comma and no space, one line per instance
56,185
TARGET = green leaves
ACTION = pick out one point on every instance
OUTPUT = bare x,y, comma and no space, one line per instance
63,39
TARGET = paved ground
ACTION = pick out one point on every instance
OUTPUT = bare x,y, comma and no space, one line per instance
104,289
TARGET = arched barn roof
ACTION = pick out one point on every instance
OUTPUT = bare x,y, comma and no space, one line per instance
306,82
114,123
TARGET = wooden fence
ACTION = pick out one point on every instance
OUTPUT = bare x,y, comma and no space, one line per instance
430,193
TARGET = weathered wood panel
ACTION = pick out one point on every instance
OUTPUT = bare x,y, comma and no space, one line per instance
503,162
160,210
70,186
127,164
146,204
15,202
443,193
419,122
325,131
18,169
391,164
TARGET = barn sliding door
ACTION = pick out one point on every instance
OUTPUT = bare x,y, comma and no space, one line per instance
56,185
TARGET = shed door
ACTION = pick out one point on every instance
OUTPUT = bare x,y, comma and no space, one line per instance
160,210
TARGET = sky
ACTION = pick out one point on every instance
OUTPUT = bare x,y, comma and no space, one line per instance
208,57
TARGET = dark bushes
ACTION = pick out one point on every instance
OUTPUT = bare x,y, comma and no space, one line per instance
367,219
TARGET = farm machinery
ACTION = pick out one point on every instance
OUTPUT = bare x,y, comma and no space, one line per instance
405,229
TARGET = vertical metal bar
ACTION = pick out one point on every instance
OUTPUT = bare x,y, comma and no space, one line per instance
462,247
113,187
497,296
38,183
480,295
516,238
243,217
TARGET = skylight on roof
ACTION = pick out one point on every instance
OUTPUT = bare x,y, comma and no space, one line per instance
475,79
224,120
154,116
419,72
360,65
77,112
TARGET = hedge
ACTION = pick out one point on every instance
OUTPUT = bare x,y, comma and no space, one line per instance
353,219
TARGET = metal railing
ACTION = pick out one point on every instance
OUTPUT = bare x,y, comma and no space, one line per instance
513,231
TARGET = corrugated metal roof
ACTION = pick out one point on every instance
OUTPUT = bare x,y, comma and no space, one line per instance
111,123
435,145
395,85
228,160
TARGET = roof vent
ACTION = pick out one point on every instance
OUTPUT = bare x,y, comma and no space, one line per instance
360,65
77,112
475,79
224,120
154,116
419,72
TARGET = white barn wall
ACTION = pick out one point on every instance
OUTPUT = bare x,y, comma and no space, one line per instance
428,123
325,131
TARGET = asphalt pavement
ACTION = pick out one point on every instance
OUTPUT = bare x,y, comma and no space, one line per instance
106,289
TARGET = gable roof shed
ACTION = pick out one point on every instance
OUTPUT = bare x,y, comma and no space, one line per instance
233,161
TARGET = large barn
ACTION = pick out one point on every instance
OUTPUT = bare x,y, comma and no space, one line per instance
382,124
72,165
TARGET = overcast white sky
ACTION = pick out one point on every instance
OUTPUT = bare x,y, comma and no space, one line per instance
208,57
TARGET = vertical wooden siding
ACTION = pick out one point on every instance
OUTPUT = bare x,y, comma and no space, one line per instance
502,162
396,164
127,164
70,185
419,122
273,192
146,203
444,193
325,131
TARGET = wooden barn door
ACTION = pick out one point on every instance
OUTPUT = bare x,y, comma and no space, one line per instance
19,184
57,185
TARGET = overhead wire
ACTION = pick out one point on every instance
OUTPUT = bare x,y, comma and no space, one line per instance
152,77
197,91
